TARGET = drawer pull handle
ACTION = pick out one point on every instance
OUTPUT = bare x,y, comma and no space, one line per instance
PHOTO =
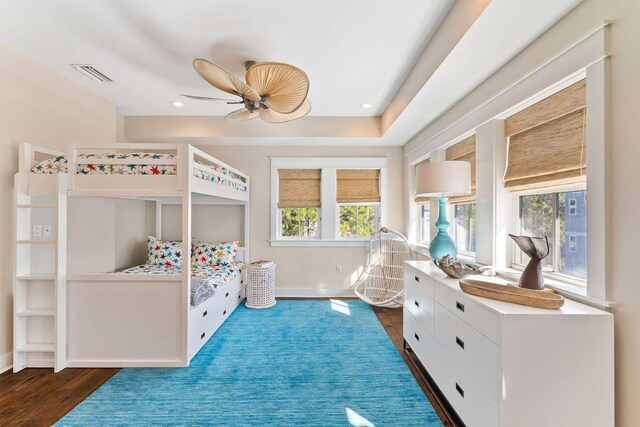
241,282
226,295
202,336
224,312
460,343
205,313
238,296
417,279
417,337
460,306
460,390
416,303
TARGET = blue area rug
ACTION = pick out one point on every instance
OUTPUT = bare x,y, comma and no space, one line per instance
300,363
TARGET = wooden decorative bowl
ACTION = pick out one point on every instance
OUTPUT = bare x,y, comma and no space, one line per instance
514,294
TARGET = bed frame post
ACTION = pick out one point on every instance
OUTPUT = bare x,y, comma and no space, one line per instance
71,167
158,219
25,157
247,224
186,156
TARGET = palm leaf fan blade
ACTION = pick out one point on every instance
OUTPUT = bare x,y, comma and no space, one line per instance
271,116
241,115
283,86
221,79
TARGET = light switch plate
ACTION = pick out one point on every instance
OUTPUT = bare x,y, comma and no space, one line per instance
37,231
46,230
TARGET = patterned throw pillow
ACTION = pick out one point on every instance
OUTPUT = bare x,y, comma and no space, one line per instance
207,254
164,252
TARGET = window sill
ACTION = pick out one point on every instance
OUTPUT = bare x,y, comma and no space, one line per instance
567,290
346,243
421,249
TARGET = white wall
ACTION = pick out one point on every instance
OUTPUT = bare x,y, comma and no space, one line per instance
209,223
308,267
624,203
40,107
108,234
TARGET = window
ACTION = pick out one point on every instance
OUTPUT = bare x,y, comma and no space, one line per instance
425,213
546,151
358,197
464,227
299,202
326,201
299,222
358,220
562,217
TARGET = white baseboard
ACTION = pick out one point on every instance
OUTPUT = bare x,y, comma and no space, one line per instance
119,363
313,293
6,362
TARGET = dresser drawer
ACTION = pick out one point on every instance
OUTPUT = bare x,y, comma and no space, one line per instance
425,283
420,305
478,317
475,353
469,401
422,344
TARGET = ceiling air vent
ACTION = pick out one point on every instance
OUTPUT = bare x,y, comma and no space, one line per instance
89,71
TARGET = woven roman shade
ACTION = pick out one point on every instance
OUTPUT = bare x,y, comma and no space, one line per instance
299,188
547,145
464,150
358,185
422,200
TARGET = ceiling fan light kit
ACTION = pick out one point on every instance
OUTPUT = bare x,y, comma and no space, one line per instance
274,91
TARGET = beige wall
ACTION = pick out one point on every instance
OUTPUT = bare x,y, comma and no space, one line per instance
624,203
306,267
40,107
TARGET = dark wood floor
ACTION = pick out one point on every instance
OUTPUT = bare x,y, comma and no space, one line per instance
38,397
391,319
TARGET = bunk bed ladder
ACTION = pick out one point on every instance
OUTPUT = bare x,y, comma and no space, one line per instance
39,286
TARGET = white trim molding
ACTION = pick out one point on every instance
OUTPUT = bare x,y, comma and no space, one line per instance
586,58
314,293
6,362
588,49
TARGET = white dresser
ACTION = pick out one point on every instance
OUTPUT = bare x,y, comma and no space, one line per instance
502,364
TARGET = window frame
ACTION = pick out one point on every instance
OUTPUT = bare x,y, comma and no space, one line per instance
377,219
454,231
494,202
516,226
328,213
420,239
280,236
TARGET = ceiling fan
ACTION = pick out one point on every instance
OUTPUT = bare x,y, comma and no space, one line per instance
275,92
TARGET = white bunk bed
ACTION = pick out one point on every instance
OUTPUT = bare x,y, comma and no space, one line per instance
115,320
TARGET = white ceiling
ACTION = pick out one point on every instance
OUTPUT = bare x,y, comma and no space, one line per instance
355,51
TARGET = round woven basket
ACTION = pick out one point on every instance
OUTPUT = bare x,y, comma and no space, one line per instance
261,287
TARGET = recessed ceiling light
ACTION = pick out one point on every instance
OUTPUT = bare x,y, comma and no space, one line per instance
177,104
367,105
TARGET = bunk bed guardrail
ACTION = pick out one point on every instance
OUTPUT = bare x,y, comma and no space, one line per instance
197,165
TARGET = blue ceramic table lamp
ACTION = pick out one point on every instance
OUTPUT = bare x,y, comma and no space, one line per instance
443,179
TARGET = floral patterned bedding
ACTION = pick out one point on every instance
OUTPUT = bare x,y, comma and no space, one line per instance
59,164
205,280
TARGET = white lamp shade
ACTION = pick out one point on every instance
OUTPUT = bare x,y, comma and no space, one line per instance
448,178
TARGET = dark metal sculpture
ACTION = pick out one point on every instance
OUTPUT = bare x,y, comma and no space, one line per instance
537,248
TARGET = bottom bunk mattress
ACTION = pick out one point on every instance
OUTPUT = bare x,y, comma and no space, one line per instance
205,280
